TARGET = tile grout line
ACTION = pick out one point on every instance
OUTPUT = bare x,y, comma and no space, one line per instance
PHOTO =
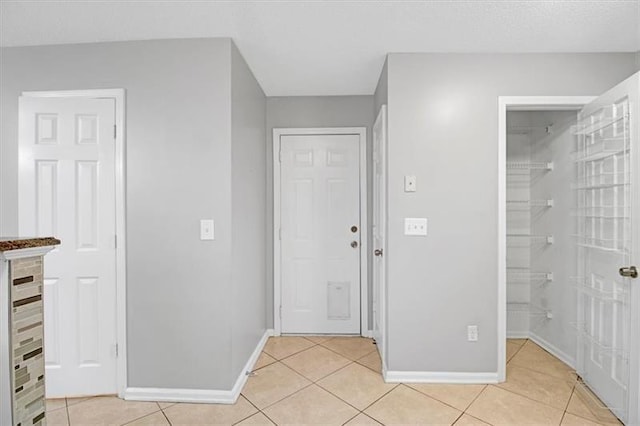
165,414
441,401
523,396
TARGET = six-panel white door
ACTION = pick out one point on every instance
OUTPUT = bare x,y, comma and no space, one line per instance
320,233
608,188
379,229
67,190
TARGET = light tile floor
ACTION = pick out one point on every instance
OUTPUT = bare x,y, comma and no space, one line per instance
337,381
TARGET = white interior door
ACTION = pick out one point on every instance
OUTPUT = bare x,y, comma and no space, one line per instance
67,190
320,233
608,193
379,228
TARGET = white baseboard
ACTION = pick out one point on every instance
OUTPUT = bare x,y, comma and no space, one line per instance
438,377
368,334
518,334
205,396
553,350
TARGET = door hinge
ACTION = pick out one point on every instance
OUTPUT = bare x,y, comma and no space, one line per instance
115,241
280,233
116,350
115,131
280,311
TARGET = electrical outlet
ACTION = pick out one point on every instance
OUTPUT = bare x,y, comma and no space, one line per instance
415,226
472,333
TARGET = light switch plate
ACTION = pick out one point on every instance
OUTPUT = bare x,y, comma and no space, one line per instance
415,226
207,229
410,183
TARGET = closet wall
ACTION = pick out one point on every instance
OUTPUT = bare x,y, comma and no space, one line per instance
541,253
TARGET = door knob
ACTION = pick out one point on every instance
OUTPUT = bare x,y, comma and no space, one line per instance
377,252
354,229
354,244
630,272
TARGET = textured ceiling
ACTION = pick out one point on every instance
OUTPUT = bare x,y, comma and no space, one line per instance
333,47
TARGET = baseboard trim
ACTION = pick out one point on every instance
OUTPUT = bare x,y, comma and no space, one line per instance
203,396
438,377
518,335
368,334
553,350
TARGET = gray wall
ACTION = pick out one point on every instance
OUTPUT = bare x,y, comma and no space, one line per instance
304,111
248,199
178,172
381,94
559,296
443,116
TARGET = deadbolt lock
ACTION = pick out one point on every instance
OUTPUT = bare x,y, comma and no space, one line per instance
630,272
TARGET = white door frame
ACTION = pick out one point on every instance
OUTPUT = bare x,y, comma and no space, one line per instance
364,248
118,95
515,103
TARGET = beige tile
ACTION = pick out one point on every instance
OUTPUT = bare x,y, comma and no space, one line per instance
362,419
357,385
104,410
311,405
570,419
518,342
540,387
55,404
585,404
271,384
512,349
500,407
155,419
467,420
57,417
263,360
316,362
74,401
458,396
202,414
164,405
318,339
372,361
282,347
257,419
407,406
351,347
533,357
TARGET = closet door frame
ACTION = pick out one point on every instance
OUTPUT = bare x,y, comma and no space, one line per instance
516,103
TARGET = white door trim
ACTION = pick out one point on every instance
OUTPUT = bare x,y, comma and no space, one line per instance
364,294
118,95
514,103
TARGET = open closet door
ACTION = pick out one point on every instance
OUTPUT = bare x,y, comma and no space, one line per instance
608,198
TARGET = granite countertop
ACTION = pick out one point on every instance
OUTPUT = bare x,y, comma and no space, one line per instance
16,243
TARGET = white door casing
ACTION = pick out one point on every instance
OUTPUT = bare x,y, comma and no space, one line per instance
379,231
608,193
320,231
67,189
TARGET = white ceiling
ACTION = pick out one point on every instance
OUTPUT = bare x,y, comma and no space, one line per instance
333,47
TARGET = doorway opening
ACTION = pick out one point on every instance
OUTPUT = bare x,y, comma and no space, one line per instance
564,228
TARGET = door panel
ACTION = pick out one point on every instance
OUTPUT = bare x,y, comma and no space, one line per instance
607,192
67,190
379,229
320,202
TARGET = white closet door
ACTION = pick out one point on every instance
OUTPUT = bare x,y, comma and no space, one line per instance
67,190
379,228
608,193
320,232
